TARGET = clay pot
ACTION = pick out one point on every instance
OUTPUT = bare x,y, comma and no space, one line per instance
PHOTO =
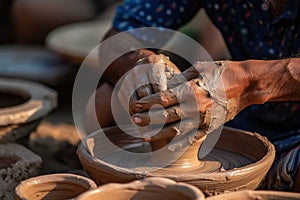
35,63
22,107
254,195
16,164
146,189
75,41
238,161
53,186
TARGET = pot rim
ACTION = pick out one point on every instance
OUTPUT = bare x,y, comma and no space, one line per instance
58,177
42,100
164,183
85,156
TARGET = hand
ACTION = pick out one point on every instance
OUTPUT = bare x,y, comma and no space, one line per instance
124,63
200,103
150,75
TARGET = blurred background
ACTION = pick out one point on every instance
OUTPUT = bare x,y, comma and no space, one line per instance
46,40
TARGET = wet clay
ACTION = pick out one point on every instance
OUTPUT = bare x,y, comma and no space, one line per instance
16,164
239,160
146,189
181,159
255,195
54,186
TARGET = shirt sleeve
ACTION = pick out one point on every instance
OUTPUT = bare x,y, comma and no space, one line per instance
154,13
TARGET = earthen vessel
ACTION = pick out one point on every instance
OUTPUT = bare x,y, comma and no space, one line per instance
238,161
255,195
146,189
35,63
16,164
75,41
23,105
53,186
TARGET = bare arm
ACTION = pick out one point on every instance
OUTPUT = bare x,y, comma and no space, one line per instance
245,83
272,80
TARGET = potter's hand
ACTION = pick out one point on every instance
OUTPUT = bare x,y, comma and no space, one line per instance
199,103
149,76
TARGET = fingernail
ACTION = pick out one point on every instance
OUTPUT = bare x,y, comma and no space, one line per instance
137,120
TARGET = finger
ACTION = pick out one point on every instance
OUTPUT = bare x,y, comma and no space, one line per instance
168,115
158,116
167,98
127,86
164,98
169,64
143,91
132,100
170,70
171,130
185,76
157,77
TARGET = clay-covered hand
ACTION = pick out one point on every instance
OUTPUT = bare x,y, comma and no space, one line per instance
150,75
199,103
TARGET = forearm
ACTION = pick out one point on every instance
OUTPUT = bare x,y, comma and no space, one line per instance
260,81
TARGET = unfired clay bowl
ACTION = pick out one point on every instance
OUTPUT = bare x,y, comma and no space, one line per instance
23,105
16,164
75,41
243,159
53,186
257,195
146,189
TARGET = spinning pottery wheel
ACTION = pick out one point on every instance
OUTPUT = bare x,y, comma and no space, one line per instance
23,105
75,41
238,161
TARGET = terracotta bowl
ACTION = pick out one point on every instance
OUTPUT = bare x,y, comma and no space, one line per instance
22,107
149,188
75,41
16,164
53,186
255,195
245,159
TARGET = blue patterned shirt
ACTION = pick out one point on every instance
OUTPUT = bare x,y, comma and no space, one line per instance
247,27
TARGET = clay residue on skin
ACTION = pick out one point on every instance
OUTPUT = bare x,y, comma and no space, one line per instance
242,158
147,189
203,97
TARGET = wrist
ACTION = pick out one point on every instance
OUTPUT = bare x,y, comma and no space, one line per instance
237,86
